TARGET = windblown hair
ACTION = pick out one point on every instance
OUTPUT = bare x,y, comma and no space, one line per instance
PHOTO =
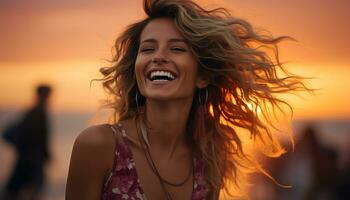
244,73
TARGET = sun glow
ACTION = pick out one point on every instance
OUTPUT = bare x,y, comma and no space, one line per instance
70,81
254,108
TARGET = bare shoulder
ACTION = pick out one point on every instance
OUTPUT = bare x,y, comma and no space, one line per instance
91,162
96,143
97,136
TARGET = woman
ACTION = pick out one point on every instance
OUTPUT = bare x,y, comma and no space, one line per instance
182,81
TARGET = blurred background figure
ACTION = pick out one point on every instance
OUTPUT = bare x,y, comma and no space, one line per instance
323,161
343,182
29,137
311,172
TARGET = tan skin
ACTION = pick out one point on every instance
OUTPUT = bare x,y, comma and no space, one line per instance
167,107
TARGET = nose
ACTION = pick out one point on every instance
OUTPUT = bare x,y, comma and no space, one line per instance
160,55
160,60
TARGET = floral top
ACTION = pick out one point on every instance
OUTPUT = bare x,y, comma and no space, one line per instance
123,182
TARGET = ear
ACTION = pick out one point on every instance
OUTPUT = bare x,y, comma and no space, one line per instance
202,82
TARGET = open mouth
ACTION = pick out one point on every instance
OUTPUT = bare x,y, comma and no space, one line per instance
161,75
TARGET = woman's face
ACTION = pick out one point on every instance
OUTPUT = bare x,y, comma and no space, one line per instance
165,68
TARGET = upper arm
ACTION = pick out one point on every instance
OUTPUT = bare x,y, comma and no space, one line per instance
91,161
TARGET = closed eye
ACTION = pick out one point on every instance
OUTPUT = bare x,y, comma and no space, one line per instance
178,49
146,50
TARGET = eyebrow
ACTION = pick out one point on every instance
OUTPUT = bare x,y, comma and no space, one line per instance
169,41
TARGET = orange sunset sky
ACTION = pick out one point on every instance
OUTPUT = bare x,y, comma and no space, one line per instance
65,42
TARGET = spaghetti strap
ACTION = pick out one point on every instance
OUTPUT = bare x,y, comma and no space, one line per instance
118,132
121,133
114,130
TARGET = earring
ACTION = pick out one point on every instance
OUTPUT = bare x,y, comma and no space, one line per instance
203,103
200,115
138,99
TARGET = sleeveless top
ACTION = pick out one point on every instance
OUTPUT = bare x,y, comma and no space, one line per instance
124,183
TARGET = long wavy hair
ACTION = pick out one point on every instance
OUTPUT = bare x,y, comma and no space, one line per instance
244,73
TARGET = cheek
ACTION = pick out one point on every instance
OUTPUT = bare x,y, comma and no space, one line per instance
191,60
191,66
139,67
188,61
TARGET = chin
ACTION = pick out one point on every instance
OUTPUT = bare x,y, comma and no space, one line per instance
160,97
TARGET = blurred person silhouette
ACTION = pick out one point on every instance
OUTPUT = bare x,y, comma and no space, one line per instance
29,136
323,161
343,182
311,171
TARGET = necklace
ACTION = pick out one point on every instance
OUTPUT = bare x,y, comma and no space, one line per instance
144,140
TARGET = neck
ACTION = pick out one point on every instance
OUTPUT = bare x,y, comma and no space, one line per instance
166,123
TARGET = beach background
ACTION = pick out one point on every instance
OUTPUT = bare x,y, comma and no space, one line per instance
64,43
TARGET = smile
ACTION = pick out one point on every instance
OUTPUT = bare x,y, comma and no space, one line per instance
161,75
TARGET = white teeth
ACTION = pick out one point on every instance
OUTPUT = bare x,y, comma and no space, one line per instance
161,73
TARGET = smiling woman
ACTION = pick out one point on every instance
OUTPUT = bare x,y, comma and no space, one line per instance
182,82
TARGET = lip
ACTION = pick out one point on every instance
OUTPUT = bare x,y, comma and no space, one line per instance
161,83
